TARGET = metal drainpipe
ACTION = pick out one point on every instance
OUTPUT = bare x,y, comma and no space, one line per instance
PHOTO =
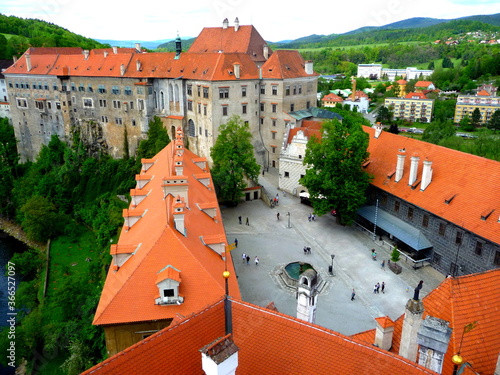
259,113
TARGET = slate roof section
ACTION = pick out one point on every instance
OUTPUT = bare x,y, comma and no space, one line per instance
473,180
129,293
269,343
315,112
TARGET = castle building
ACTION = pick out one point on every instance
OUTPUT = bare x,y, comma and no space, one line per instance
171,253
227,71
466,104
414,106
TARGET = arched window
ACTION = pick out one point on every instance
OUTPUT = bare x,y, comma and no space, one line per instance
155,99
191,128
176,93
162,100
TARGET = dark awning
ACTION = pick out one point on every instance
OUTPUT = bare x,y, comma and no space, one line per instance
397,227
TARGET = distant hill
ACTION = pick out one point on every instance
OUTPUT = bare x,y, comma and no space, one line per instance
170,46
153,44
417,28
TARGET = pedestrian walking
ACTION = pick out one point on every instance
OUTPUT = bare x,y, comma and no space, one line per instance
256,261
375,289
244,257
309,217
378,288
383,287
248,259
247,223
383,265
278,216
239,218
305,249
353,294
308,250
235,242
313,217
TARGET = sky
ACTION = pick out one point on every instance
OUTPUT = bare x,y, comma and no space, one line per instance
277,20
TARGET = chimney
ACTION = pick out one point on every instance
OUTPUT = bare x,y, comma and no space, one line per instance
115,50
236,67
14,58
225,23
236,24
413,169
105,53
220,357
138,65
378,129
309,67
179,207
86,54
433,338
122,69
28,61
260,72
426,174
138,47
353,97
400,165
384,332
265,52
408,346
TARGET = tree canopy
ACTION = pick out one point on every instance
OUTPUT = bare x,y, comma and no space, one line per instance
233,158
335,177
157,139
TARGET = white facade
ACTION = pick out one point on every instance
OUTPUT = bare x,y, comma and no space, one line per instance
375,71
292,168
367,70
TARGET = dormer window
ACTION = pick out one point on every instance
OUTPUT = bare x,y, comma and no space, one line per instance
167,281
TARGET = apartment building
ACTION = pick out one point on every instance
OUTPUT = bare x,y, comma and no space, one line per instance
414,106
466,104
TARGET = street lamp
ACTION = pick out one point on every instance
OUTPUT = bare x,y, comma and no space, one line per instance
289,225
331,267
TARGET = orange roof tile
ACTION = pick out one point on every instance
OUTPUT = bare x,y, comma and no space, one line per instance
332,98
402,81
454,172
245,40
283,64
129,293
415,95
423,84
483,93
269,343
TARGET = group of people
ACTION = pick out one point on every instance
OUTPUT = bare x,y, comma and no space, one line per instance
312,217
240,220
379,288
246,258
307,250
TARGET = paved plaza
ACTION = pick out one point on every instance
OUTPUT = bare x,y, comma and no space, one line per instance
275,244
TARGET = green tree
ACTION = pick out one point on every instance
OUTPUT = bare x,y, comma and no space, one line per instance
476,117
335,177
41,220
157,139
234,160
447,63
494,123
8,166
465,124
436,131
384,115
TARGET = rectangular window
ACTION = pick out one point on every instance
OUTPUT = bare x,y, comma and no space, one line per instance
243,91
118,121
262,120
262,89
287,174
224,110
287,90
45,86
262,107
294,89
205,92
81,88
274,107
55,87
458,238
199,90
49,106
201,132
89,88
140,90
292,107
274,122
479,248
275,90
115,90
199,108
104,118
223,93
425,221
273,135
410,213
116,104
87,103
101,89
206,132
140,104
22,103
436,259
58,105
205,110
190,105
39,105
396,206
273,149
131,105
244,108
442,229
189,89
300,89
308,104
73,86
127,90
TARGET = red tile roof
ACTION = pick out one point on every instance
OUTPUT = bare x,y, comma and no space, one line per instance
309,127
461,301
285,64
483,93
455,173
402,81
269,343
415,95
129,293
423,84
332,98
245,40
